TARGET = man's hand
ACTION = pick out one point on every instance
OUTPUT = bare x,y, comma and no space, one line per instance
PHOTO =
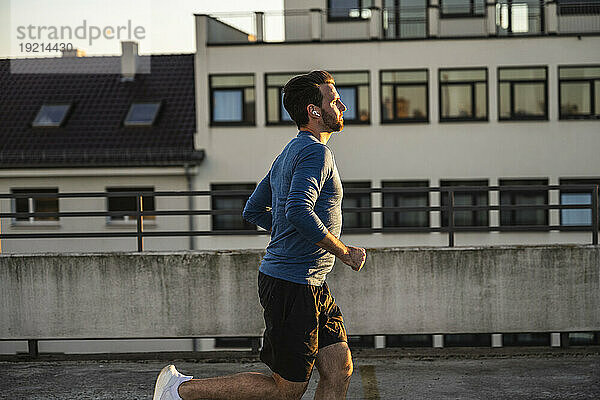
355,257
350,255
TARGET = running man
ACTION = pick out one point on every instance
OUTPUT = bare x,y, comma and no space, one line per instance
299,201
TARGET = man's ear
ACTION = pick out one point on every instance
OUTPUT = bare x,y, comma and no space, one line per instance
313,111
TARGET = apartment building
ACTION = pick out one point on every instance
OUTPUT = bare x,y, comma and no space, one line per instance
439,94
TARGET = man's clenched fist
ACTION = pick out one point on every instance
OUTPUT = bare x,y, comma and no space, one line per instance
355,258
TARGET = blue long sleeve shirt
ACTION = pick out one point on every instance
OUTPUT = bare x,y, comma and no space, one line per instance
299,201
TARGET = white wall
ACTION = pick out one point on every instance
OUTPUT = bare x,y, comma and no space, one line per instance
94,180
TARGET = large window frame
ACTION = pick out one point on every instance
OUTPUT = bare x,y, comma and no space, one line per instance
248,114
278,120
513,17
474,12
358,200
394,86
401,218
363,8
512,218
586,213
514,82
115,203
221,222
404,21
33,204
473,90
593,84
340,84
476,198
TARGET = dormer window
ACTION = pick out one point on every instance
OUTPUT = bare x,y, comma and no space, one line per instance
142,114
51,115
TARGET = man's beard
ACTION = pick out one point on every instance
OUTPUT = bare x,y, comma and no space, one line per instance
333,124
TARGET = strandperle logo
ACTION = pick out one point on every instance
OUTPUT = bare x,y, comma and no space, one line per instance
82,32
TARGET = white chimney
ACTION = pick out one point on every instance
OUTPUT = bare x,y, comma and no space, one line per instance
129,60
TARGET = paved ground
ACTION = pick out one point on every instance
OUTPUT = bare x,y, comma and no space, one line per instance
517,377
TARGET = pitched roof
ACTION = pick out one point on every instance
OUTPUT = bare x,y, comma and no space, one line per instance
93,133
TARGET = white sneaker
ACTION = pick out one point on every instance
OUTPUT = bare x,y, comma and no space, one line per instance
167,384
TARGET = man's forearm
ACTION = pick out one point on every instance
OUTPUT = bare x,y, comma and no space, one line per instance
333,245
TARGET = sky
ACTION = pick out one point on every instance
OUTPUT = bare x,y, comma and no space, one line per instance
163,26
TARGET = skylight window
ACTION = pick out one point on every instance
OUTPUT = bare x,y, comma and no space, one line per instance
142,114
51,115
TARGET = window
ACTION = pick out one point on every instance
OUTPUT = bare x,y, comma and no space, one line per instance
232,99
404,19
582,196
353,88
142,114
463,94
463,8
522,17
235,202
578,7
348,10
35,204
526,216
355,219
51,115
579,92
466,198
522,94
129,203
404,96
405,199
276,112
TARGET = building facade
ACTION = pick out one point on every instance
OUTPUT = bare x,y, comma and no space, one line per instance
438,94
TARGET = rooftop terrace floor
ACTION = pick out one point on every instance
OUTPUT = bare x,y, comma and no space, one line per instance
443,374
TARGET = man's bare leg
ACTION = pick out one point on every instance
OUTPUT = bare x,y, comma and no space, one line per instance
246,386
335,369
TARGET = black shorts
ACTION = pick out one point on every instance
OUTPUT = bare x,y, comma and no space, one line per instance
300,320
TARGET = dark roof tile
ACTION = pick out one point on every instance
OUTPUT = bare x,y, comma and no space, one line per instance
93,133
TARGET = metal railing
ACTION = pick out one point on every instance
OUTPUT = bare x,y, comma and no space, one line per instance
450,228
519,17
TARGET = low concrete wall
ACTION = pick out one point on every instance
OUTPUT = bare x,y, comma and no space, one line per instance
402,290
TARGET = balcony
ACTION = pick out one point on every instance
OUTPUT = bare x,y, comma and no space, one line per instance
417,21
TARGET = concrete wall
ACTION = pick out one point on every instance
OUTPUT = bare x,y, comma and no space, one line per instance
453,27
410,290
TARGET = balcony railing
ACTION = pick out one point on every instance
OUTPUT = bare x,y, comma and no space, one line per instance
448,212
503,18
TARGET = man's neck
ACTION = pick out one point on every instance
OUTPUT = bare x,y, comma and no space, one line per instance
322,137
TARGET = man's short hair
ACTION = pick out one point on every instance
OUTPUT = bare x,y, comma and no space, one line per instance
302,90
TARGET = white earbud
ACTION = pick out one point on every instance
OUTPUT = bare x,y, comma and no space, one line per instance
316,114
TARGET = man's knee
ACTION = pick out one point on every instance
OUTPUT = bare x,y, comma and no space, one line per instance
338,367
289,390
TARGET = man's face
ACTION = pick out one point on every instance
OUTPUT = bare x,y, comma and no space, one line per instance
332,108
